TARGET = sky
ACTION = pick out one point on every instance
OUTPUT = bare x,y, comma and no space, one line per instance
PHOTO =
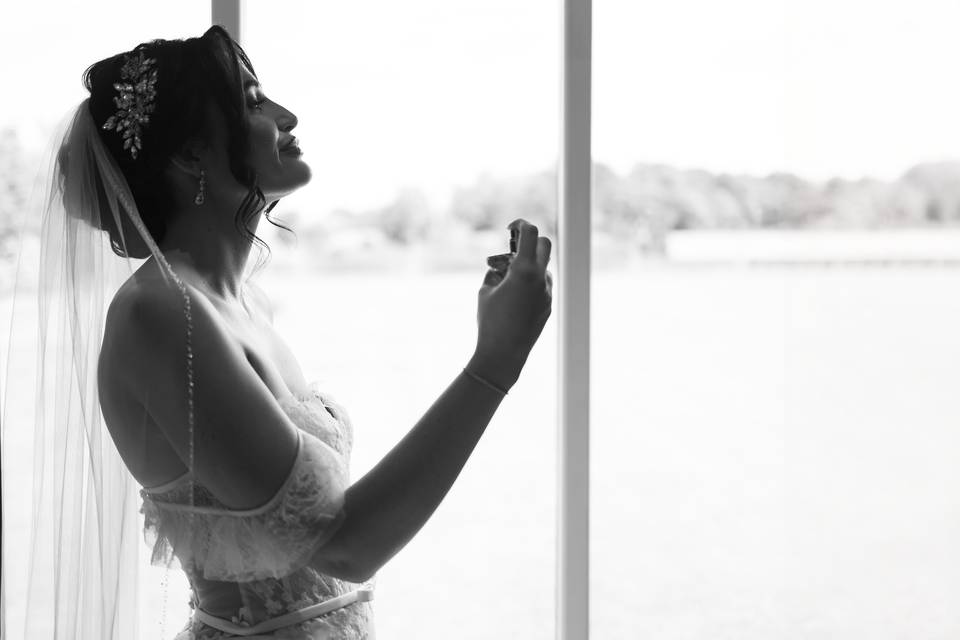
432,93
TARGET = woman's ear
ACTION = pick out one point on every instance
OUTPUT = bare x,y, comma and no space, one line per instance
188,167
187,161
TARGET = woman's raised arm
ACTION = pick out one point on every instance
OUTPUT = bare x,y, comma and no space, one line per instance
391,503
387,507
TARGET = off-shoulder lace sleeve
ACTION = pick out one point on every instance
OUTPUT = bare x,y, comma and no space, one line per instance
270,541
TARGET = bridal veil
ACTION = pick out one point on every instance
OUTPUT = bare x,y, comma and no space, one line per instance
81,564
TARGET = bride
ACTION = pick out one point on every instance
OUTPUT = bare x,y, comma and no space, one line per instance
243,464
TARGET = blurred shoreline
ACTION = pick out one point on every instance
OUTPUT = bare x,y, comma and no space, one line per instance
368,252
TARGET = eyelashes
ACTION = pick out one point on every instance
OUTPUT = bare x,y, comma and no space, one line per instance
257,104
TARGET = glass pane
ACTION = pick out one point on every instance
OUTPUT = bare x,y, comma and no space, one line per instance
428,126
46,52
774,406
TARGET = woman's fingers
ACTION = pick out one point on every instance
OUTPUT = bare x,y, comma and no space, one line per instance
533,249
527,242
492,278
543,252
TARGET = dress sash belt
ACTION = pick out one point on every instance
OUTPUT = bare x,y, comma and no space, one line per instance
360,594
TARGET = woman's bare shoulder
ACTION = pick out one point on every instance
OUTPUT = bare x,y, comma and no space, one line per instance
118,337
138,286
243,436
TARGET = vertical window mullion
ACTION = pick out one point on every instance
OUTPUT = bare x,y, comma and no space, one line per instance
228,14
573,304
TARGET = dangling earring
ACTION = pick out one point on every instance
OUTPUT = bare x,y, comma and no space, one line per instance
198,200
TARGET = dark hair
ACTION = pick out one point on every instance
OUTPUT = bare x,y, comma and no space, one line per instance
191,74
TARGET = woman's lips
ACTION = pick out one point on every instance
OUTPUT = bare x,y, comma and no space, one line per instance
291,144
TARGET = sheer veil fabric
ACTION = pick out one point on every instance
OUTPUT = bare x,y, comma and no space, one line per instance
82,564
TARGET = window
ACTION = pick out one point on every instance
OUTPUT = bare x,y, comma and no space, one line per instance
774,446
429,126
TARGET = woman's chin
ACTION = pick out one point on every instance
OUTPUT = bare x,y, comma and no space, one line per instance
290,184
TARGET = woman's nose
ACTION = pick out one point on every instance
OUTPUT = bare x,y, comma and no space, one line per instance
287,122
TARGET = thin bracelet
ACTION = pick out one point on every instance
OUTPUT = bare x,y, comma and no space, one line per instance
486,382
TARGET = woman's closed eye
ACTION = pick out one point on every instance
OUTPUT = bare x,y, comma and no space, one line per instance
256,98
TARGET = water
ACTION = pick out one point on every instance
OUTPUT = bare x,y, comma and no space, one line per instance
773,453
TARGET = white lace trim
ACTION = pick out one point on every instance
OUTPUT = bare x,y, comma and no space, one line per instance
270,541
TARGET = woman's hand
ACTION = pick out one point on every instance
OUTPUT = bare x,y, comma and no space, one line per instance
513,309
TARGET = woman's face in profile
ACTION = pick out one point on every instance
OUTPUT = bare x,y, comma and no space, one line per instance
274,151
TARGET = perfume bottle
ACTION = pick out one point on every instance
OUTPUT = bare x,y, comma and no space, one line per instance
501,262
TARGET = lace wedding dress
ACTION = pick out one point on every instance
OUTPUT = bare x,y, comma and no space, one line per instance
249,570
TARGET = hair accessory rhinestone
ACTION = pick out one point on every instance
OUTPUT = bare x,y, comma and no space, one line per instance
136,100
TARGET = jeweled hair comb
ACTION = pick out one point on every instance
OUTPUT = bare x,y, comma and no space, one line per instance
136,100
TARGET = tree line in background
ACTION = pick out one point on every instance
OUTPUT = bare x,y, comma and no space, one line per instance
653,200
642,207
638,209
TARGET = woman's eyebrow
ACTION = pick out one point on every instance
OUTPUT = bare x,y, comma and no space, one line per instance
251,83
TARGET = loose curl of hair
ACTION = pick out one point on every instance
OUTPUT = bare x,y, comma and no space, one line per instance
192,73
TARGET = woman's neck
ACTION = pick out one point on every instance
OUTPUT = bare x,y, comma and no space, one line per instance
212,248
